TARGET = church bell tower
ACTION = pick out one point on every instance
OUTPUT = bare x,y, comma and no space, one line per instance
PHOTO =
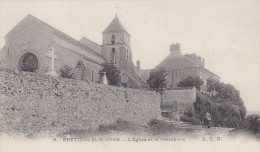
116,44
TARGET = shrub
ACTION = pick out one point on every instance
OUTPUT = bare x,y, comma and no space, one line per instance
222,114
120,125
191,82
112,73
160,127
252,123
66,72
191,117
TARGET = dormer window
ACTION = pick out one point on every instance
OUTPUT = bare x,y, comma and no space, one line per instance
113,39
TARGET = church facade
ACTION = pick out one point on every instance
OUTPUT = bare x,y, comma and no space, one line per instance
28,42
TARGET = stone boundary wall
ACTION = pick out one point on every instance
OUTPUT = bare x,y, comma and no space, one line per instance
34,102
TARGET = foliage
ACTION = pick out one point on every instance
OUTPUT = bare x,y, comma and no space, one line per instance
66,72
224,114
157,79
220,92
161,127
112,73
252,123
190,82
120,125
191,117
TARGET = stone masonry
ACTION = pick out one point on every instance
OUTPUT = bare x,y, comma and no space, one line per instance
30,102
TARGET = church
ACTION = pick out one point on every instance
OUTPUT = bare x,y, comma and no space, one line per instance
30,40
28,43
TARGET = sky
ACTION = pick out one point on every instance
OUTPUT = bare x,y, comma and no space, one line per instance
226,33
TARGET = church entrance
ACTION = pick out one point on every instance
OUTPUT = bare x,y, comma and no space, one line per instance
28,62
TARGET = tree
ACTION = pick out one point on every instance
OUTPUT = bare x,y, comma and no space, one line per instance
222,114
157,80
112,73
66,72
253,123
190,82
223,92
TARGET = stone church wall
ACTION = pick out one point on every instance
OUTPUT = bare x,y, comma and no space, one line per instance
71,58
28,36
30,102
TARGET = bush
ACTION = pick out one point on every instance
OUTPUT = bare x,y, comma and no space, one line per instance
160,127
191,117
66,72
75,132
191,82
222,114
112,73
252,123
120,125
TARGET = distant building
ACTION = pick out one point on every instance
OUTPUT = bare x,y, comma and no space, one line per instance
28,42
180,67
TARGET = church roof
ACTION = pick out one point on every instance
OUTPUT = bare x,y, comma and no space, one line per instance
134,78
93,45
115,26
60,33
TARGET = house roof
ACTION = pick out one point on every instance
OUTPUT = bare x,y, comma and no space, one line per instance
115,26
177,61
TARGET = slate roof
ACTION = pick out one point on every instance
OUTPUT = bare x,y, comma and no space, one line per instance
134,77
115,26
176,60
94,46
60,33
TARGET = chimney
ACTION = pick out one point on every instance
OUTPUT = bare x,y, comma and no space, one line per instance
138,64
175,47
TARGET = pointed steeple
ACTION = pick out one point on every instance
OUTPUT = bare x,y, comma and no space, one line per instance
115,26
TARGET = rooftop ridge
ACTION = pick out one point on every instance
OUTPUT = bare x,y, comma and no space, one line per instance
61,33
114,26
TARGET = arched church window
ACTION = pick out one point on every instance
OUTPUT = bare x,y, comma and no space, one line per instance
113,56
93,75
28,62
127,55
113,39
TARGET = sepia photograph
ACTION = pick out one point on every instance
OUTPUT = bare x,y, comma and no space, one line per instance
109,75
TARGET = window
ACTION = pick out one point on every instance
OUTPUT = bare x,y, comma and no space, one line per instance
113,39
113,56
93,75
